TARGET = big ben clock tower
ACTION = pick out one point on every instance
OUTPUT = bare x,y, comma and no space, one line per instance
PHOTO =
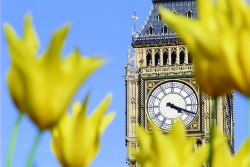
160,83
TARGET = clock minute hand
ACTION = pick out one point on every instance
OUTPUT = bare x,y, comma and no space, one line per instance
179,109
187,111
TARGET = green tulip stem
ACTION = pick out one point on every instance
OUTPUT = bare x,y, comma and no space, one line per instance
33,149
13,139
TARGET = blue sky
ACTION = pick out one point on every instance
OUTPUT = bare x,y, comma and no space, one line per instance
97,27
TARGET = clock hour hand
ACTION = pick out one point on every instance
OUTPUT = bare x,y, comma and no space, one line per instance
173,106
179,109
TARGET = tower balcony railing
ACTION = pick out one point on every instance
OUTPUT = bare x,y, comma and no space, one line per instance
176,68
171,37
133,71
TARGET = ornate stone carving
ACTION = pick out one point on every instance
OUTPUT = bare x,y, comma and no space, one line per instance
133,119
133,101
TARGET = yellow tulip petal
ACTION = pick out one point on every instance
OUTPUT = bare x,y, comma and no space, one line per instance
106,121
77,108
144,140
96,116
241,159
218,41
30,38
244,60
47,83
55,47
79,135
205,10
56,147
220,150
172,149
199,156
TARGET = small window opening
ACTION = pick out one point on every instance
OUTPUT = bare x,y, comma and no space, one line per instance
182,57
148,59
173,58
157,59
165,58
150,30
164,29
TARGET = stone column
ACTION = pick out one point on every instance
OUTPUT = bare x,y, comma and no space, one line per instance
144,57
161,56
135,58
169,55
178,54
219,113
153,57
128,54
186,55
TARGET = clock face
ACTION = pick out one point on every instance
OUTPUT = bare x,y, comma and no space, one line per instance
169,101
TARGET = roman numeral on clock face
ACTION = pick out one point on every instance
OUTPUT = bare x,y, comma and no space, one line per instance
191,104
157,115
153,107
163,91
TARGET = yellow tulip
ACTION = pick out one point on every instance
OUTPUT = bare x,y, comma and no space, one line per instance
76,139
172,149
219,41
43,86
221,155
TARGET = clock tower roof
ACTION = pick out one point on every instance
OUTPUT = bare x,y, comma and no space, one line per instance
153,30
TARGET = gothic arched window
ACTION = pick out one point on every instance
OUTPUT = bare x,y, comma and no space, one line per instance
173,58
165,58
182,57
149,57
164,29
157,59
150,30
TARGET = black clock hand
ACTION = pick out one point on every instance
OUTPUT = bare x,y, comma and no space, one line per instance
187,111
175,107
179,109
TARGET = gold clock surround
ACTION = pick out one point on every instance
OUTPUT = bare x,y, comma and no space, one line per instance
148,85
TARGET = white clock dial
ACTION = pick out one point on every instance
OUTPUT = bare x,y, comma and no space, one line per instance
172,100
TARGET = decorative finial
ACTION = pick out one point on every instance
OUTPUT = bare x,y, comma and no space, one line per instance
128,53
135,17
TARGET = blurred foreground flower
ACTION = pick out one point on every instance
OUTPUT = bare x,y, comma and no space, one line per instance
219,41
221,155
76,139
173,149
43,86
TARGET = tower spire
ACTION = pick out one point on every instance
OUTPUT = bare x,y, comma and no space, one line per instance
135,17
